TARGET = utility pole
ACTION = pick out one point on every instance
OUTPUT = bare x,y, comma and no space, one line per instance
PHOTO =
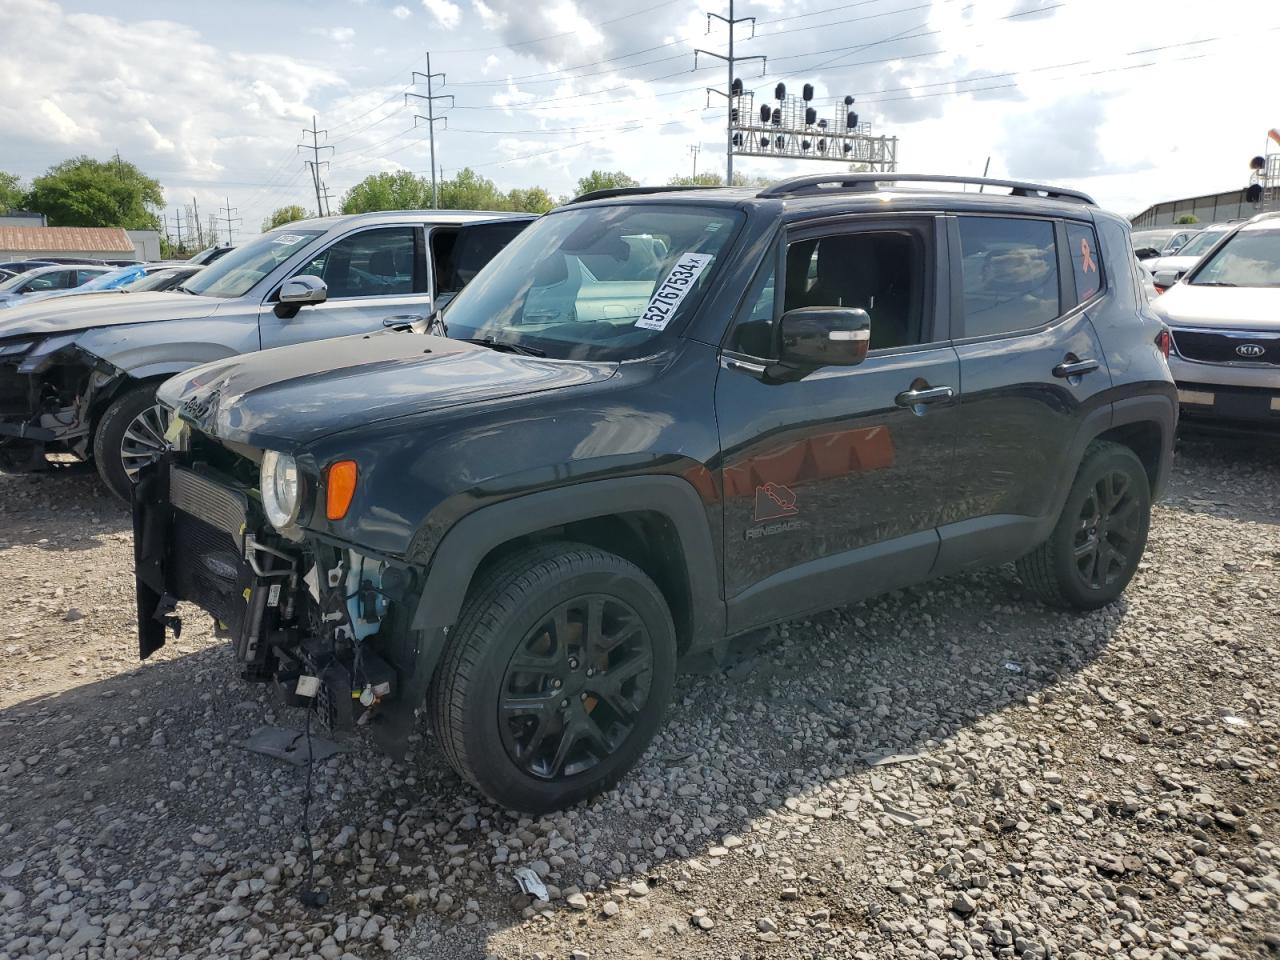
430,119
694,151
177,217
314,163
227,211
195,218
729,94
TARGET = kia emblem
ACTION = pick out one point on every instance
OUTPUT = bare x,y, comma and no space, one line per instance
1251,350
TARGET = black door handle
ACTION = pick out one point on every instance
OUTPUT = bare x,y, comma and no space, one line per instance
1074,368
909,398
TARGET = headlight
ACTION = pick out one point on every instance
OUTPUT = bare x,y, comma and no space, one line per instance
15,347
281,492
41,356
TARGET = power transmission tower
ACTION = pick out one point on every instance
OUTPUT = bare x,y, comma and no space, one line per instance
314,163
735,86
694,151
227,211
328,208
430,119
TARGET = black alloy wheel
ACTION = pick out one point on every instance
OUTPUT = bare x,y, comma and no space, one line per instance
1110,529
556,676
575,687
1100,535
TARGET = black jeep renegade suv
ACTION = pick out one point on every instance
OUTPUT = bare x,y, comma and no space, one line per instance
658,419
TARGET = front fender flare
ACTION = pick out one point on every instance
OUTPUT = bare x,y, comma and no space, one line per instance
470,540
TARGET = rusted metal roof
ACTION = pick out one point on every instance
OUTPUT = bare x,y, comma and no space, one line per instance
65,240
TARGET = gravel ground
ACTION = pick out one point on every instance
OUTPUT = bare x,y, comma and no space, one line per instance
948,771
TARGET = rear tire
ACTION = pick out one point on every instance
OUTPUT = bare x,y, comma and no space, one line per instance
555,678
1100,536
130,435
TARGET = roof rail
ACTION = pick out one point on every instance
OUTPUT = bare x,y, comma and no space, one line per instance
870,182
633,192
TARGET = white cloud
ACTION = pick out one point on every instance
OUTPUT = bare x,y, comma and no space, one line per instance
401,12
342,35
489,18
447,14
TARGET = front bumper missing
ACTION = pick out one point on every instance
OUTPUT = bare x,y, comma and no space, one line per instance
289,609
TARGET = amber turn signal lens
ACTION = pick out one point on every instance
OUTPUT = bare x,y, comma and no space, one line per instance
341,487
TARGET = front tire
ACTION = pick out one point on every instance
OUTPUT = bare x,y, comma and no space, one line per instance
130,436
1100,536
555,678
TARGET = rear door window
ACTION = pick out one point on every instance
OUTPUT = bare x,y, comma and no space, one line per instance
1010,274
1086,264
460,254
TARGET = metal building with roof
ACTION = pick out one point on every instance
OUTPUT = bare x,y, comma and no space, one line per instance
31,243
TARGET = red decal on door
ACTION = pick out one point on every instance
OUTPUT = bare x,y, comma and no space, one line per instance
774,501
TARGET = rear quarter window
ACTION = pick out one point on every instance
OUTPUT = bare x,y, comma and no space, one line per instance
1086,263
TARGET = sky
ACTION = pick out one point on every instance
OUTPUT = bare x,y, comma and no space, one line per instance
1134,102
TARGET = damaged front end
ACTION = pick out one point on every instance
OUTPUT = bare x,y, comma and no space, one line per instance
318,619
49,389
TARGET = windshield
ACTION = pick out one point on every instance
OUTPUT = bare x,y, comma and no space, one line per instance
235,274
113,278
1202,241
594,283
1249,259
159,280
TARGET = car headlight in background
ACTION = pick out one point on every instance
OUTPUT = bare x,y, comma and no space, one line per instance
15,347
281,489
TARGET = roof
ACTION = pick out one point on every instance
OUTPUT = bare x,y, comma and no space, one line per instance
398,216
65,239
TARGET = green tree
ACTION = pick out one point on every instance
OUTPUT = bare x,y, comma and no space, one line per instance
388,191
698,180
531,200
1187,218
470,191
282,215
83,192
11,193
605,180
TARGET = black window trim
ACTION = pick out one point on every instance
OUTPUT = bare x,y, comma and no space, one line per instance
928,225
1059,240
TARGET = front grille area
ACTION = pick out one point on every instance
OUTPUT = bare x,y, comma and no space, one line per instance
1208,346
218,506
209,570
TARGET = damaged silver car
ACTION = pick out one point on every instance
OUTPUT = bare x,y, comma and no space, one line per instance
79,375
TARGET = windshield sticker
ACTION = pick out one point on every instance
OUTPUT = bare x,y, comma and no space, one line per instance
288,239
670,294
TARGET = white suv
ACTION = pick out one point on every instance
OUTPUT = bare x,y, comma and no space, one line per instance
1225,318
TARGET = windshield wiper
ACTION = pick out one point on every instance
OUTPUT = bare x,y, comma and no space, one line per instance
1213,283
493,343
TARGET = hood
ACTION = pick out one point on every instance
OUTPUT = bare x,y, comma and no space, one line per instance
106,309
29,298
286,398
1179,265
1239,308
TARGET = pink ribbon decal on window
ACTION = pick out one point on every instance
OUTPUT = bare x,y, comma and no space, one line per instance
1087,263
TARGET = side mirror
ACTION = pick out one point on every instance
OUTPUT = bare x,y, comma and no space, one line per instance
304,289
825,336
